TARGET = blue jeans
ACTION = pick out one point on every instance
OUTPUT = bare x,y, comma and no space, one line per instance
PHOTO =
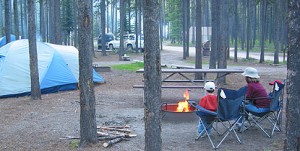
255,110
252,108
201,127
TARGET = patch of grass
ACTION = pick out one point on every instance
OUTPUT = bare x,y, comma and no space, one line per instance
74,144
193,62
272,62
131,67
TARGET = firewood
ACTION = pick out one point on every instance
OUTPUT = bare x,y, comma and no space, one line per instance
119,127
109,137
102,134
116,129
113,141
126,135
70,137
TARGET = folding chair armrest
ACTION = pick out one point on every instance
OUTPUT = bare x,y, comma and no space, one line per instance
201,109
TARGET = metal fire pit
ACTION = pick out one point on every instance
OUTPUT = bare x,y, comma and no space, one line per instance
170,114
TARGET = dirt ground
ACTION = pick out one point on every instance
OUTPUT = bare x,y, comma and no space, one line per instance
38,125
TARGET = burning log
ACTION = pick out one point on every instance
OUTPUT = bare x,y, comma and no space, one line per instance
114,141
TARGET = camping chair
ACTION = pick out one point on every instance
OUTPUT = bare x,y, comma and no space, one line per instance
273,115
229,111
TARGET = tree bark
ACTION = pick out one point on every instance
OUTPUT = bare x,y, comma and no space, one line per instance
222,57
16,19
215,23
57,24
198,18
34,72
236,30
263,29
122,20
103,39
7,20
152,77
42,21
88,127
292,142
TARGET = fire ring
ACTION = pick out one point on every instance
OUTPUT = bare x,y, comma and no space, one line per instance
170,113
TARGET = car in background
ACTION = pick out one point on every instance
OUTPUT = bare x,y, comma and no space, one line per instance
108,37
130,43
115,44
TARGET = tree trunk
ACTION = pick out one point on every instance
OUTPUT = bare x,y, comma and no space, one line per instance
122,20
198,19
215,23
222,57
2,19
248,40
152,77
103,39
51,25
25,20
277,31
236,30
292,143
186,25
75,24
88,127
136,27
263,29
7,21
34,72
57,25
42,21
16,19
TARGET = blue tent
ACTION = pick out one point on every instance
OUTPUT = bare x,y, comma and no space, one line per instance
58,68
3,40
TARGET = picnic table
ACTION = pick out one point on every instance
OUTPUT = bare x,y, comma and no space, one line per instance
182,72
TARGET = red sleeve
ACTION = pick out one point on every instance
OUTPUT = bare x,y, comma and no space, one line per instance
203,102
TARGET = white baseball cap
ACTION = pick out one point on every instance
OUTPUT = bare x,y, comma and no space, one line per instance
209,86
250,72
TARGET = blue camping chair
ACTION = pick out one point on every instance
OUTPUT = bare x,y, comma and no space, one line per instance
273,115
229,111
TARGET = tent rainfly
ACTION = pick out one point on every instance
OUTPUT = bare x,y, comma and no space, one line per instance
58,68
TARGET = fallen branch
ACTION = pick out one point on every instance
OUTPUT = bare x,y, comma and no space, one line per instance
116,129
119,127
114,141
109,137
126,135
70,137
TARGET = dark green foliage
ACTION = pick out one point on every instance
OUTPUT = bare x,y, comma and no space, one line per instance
67,16
173,16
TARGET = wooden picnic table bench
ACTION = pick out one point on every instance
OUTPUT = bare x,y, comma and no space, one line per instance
182,73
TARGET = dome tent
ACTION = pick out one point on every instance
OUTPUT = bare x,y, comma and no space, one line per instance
3,40
58,68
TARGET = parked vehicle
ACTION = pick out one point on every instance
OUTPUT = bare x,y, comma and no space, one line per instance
108,37
130,43
115,44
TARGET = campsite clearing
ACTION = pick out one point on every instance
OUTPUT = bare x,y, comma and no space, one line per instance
38,125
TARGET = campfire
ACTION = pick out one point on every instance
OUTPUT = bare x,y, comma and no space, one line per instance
183,106
180,111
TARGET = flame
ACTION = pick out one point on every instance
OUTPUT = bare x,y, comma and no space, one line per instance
186,95
183,106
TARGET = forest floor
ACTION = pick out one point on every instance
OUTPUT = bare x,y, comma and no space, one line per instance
38,125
